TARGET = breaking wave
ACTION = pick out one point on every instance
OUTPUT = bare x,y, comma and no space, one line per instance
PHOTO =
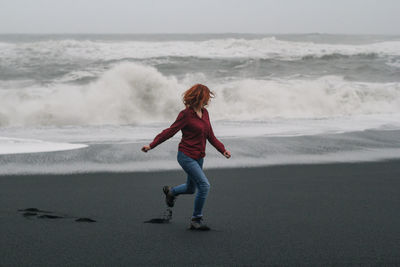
131,93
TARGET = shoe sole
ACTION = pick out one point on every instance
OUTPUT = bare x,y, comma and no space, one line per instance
165,190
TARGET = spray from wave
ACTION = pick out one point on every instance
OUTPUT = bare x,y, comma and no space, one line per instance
131,93
128,93
328,96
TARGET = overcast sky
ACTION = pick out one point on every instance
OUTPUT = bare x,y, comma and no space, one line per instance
200,16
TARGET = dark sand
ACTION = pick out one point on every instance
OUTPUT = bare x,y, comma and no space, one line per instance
311,215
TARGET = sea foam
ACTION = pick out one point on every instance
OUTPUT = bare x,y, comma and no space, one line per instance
21,146
131,93
267,48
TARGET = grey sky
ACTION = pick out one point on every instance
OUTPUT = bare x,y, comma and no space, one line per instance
200,16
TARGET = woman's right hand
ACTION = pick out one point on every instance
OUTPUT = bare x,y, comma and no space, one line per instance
227,154
146,148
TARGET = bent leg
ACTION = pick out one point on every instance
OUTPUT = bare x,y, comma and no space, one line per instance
188,188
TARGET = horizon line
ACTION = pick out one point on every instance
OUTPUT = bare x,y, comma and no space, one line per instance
187,33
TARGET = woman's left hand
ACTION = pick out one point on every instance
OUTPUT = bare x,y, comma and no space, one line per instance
227,154
146,148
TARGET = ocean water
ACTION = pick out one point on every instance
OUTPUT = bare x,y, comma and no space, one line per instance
84,103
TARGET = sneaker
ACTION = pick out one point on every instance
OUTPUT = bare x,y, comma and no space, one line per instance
198,224
169,199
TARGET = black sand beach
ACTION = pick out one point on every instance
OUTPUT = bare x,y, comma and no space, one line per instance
311,215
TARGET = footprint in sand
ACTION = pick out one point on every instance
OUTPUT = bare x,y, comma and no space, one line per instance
35,210
44,214
84,220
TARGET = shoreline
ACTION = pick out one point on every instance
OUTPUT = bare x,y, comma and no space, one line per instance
214,169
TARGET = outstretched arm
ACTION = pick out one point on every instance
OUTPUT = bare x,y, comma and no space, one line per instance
179,123
217,144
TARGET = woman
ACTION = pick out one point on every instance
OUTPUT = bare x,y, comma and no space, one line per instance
195,124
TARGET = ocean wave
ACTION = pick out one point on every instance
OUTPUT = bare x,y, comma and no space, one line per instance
269,47
328,96
342,56
394,62
74,61
127,93
131,93
77,76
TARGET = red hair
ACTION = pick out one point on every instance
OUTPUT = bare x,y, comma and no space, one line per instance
197,96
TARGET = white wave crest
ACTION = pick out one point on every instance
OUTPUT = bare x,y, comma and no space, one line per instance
269,47
328,96
136,94
127,93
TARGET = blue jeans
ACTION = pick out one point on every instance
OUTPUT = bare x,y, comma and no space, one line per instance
195,179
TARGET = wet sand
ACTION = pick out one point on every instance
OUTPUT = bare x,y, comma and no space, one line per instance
310,215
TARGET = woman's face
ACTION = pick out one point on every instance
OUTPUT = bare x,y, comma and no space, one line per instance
206,103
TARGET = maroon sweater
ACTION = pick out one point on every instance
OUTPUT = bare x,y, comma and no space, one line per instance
195,131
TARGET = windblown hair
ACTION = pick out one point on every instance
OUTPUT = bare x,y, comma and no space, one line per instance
197,96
